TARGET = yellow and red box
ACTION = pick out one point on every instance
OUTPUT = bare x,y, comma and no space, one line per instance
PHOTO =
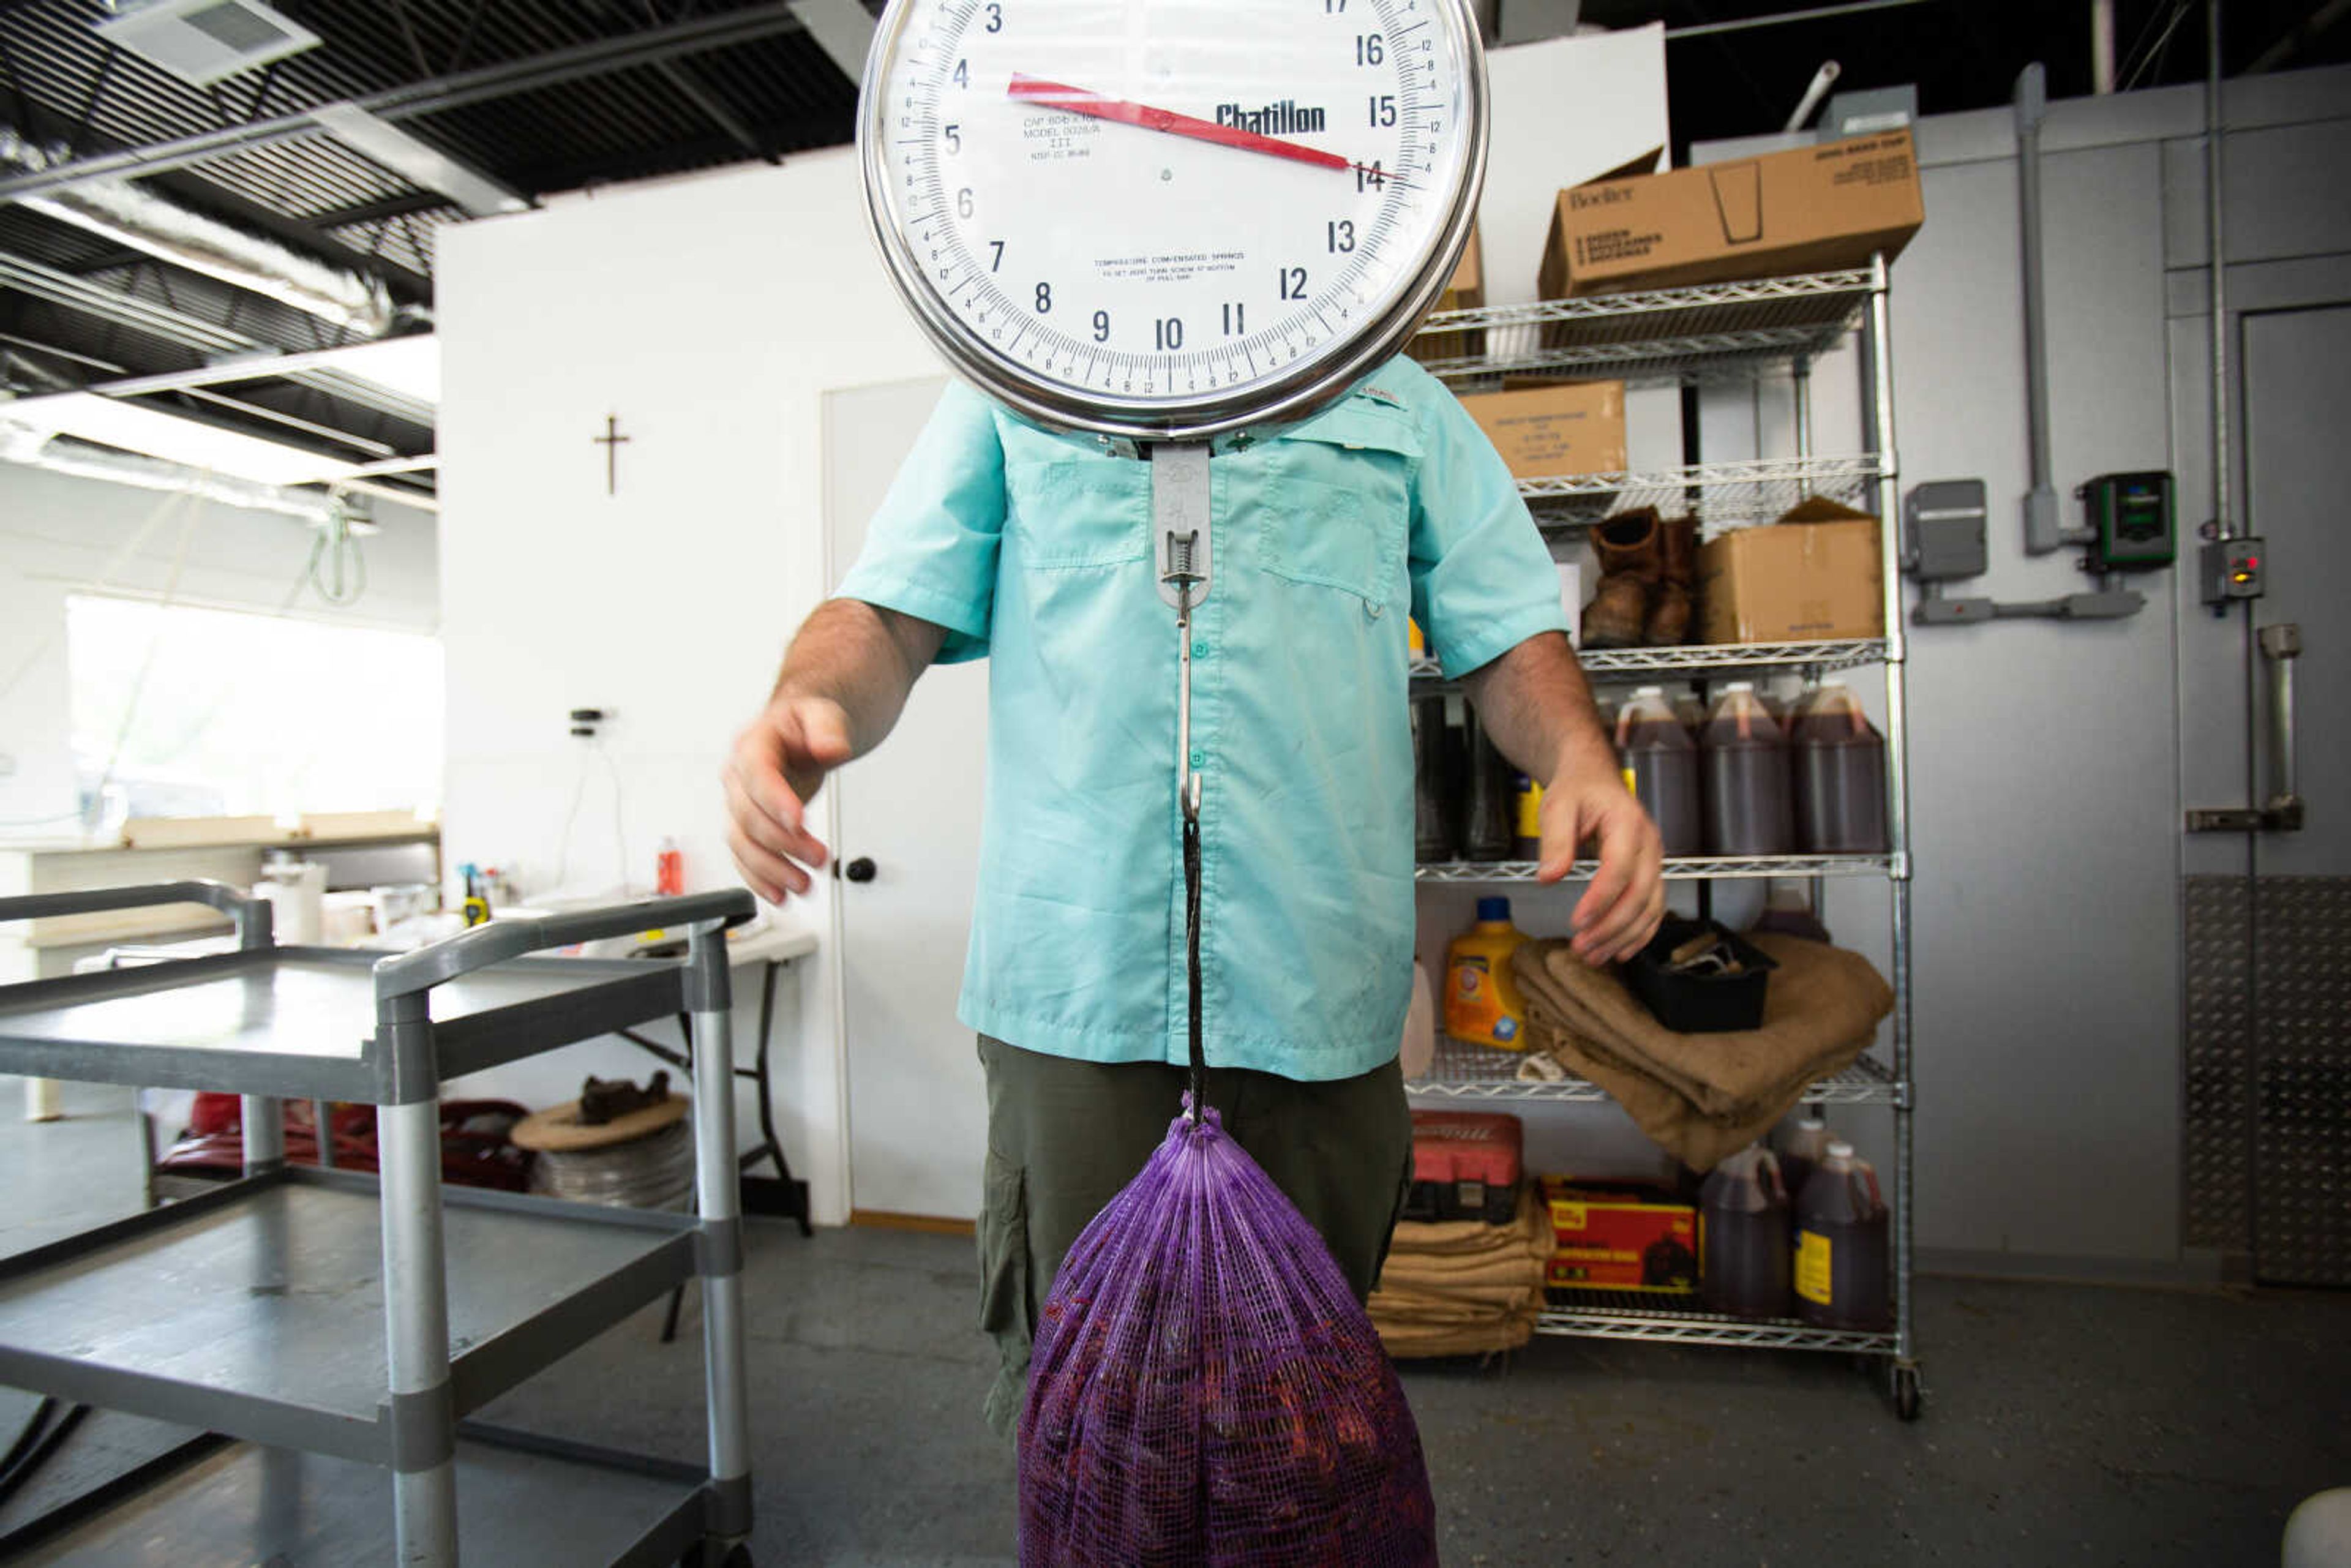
1620,1236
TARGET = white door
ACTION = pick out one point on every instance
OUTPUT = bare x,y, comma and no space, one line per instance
917,1108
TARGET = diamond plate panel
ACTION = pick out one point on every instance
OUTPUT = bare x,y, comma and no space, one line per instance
2303,1181
2214,1157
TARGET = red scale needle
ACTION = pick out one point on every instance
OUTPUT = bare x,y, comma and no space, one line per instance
1079,100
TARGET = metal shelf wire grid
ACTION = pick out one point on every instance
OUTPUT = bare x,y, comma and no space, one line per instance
1721,496
1632,663
1687,868
1713,331
1461,1071
1632,1314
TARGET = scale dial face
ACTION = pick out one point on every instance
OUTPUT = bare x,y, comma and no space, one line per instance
1166,218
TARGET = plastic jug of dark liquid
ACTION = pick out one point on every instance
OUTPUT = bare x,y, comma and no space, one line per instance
1838,775
1743,1238
1743,761
1489,825
1841,1245
1801,1149
1432,804
1663,763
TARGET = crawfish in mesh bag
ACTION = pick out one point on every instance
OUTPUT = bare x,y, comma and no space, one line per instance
1205,1388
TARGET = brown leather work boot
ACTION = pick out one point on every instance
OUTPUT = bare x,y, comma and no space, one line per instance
1630,566
1669,606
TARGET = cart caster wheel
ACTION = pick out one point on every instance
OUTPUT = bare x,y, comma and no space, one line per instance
1906,1394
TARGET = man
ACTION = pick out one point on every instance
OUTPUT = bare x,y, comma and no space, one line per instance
1035,550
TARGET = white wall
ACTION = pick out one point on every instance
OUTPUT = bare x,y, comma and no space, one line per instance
710,315
60,535
2048,760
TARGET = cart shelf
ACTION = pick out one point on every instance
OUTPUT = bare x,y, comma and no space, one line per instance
299,1022
1717,331
1680,868
545,1506
257,1310
1617,666
1681,1320
1721,496
1461,1071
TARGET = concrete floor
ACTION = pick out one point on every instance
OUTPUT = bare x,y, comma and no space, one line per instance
2064,1424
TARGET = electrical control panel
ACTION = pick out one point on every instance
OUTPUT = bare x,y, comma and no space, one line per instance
2131,520
2232,570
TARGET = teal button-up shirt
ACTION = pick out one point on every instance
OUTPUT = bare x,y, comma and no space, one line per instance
1034,549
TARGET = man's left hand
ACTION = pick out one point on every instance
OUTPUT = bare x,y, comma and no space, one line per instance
1587,803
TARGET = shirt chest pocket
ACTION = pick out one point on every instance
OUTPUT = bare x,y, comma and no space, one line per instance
1335,512
1073,516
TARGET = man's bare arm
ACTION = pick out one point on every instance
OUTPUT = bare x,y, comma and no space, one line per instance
843,685
1536,703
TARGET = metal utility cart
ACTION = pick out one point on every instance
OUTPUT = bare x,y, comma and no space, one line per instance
324,1326
1723,332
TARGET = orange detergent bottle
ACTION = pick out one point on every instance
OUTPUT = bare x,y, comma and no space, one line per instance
1481,1000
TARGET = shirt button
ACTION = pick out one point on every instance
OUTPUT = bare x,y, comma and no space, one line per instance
1200,649
1199,759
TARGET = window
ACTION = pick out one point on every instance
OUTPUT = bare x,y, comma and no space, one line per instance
182,712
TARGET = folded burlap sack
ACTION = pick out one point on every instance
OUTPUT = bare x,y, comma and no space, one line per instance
1702,1097
1461,1288
1822,1000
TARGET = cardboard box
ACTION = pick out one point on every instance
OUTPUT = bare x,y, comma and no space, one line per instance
1811,209
1466,291
1812,575
1566,427
1620,1236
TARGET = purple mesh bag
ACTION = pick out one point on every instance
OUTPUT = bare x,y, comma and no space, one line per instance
1204,1388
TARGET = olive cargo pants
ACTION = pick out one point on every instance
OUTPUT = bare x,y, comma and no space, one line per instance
1063,1136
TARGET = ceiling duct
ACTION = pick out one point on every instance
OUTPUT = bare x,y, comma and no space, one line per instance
57,454
128,215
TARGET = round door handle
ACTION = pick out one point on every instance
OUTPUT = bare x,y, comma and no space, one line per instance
859,870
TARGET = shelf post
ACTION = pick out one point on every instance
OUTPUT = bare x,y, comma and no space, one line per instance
422,1406
1878,344
718,1192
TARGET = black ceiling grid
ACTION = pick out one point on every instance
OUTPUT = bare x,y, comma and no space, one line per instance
777,95
61,85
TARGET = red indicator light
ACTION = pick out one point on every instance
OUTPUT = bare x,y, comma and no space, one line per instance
2251,562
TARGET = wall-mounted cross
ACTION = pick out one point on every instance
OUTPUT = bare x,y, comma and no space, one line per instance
611,441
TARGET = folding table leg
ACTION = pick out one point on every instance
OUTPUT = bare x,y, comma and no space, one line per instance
263,1120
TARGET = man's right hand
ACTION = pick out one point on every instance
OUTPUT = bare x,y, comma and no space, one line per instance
778,762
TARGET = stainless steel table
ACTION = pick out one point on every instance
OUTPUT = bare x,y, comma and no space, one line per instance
330,1321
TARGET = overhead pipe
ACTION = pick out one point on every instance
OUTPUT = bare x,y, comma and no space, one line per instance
2215,234
125,215
37,449
1823,79
2101,46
